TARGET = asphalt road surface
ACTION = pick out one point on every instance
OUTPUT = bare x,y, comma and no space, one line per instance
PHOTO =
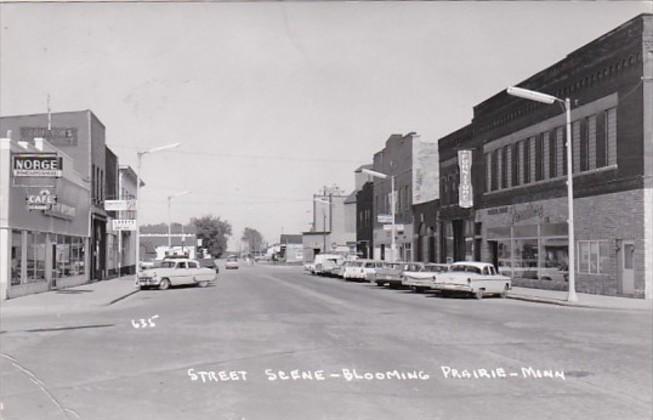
269,342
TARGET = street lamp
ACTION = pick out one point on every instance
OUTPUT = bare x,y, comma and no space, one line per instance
320,200
376,174
170,197
140,155
566,104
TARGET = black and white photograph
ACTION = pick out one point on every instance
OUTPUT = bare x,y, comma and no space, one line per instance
298,210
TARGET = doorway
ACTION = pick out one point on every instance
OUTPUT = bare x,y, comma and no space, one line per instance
627,267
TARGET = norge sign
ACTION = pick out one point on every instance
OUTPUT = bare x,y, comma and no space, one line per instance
41,165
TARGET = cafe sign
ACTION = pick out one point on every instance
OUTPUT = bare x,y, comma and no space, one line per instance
44,200
37,165
465,192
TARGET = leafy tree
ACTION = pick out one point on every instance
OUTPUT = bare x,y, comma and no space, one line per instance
213,232
253,238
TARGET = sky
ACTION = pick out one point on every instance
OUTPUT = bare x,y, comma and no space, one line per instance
271,101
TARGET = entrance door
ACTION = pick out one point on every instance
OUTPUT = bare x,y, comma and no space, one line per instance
627,268
493,250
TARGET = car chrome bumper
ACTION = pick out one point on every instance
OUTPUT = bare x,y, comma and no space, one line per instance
417,283
148,281
452,287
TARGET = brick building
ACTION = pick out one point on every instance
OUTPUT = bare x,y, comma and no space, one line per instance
523,211
459,234
80,135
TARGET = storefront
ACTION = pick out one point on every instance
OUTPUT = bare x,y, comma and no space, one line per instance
529,242
44,222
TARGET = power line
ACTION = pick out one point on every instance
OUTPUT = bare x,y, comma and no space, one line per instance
248,156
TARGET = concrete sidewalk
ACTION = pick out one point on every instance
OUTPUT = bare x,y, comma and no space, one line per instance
585,300
78,298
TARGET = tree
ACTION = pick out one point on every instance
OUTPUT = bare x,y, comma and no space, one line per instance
253,239
213,232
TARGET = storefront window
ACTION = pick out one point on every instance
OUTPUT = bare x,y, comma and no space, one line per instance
503,257
555,258
77,256
592,256
525,258
16,257
35,257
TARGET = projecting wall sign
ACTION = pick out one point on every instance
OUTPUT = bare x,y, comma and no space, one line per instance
37,165
465,192
44,200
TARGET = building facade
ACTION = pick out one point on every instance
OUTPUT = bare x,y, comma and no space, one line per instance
426,218
291,249
459,235
80,135
127,239
44,221
522,216
334,225
365,221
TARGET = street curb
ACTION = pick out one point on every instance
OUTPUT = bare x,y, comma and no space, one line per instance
567,304
122,297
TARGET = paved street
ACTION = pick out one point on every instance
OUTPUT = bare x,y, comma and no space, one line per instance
359,351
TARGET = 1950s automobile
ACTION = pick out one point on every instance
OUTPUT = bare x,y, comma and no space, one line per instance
477,278
423,277
173,272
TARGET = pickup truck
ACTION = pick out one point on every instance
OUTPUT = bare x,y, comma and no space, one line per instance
175,271
476,278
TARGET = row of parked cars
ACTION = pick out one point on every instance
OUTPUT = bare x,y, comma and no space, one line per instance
476,278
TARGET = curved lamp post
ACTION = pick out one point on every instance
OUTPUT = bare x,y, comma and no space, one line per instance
138,198
380,175
566,104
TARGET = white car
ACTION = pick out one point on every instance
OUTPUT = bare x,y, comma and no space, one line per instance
232,263
360,270
477,278
424,277
324,262
173,272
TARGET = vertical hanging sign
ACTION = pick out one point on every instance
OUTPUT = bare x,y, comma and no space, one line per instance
465,192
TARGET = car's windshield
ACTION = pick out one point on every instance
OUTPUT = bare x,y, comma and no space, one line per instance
165,264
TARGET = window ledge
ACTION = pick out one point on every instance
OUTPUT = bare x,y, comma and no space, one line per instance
558,178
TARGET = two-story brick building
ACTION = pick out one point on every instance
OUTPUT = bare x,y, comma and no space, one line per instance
522,214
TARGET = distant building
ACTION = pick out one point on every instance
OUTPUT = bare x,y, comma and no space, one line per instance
413,164
334,225
291,249
127,239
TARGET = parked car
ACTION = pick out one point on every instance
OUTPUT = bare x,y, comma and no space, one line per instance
231,263
391,274
423,278
173,272
354,270
475,278
323,261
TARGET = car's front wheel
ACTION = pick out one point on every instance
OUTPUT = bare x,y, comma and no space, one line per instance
203,283
164,285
